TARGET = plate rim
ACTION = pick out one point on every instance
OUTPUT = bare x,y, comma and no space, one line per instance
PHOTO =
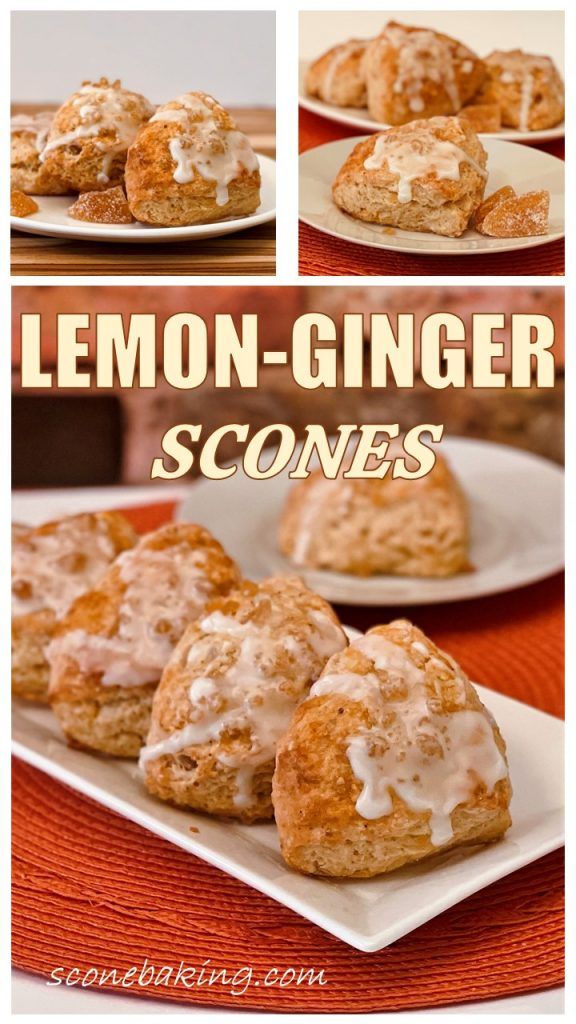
531,242
296,903
146,235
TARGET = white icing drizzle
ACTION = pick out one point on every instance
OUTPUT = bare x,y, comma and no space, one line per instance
250,692
103,109
338,56
417,155
50,570
432,760
215,154
165,590
421,55
37,125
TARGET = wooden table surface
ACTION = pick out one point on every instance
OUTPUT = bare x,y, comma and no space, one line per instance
247,252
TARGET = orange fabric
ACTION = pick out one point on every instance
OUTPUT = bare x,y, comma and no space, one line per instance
322,255
92,890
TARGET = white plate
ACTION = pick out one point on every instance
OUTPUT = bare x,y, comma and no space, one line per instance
52,219
508,164
367,914
358,117
516,502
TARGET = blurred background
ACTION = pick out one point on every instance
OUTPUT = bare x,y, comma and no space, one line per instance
95,437
158,53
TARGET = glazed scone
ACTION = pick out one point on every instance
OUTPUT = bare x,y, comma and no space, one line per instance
28,134
190,165
89,137
366,527
423,176
415,72
228,694
337,77
51,566
528,89
391,759
110,649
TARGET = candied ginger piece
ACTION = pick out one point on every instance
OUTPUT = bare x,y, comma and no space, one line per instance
22,205
489,204
484,117
519,216
107,207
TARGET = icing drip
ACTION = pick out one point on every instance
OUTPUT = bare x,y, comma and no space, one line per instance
37,125
338,56
165,590
411,158
215,154
421,56
431,760
250,691
50,570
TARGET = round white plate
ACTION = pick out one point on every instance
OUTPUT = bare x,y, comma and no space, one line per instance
52,219
358,117
516,502
524,168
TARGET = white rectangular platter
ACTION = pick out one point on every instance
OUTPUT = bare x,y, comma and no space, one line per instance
367,913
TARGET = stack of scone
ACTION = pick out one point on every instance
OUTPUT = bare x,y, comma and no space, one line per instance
408,72
181,164
246,699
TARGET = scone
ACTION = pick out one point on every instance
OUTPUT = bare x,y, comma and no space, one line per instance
365,527
415,72
528,89
391,759
51,565
190,165
28,134
423,176
110,649
337,76
228,693
89,138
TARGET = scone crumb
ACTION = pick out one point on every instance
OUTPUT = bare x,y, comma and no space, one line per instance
107,207
22,205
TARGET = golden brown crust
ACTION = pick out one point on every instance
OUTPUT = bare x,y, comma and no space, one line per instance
337,77
85,678
27,174
315,789
90,135
365,527
412,72
528,89
194,123
253,657
33,630
425,200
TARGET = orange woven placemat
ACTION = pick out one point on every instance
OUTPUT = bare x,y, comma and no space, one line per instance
322,255
94,891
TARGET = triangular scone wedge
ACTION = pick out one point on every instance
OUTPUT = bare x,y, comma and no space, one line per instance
391,758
